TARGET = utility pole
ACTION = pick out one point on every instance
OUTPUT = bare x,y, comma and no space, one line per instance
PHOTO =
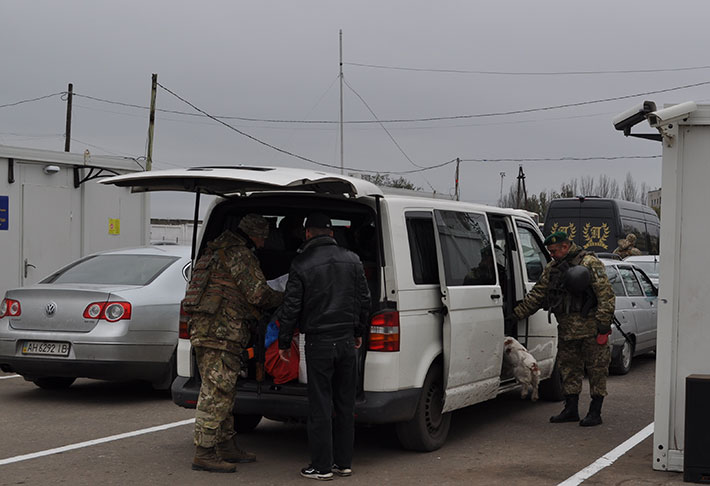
67,129
151,123
522,191
502,175
456,190
342,159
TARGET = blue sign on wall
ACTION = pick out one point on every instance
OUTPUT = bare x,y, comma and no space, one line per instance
4,213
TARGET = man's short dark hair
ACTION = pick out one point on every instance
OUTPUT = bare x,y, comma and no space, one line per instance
318,220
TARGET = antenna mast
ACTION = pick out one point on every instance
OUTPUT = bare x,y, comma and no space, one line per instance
342,160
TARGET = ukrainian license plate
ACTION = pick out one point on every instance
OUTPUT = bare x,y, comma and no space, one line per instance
46,348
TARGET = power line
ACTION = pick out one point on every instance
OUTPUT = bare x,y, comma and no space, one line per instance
286,152
32,99
383,127
421,119
528,73
563,159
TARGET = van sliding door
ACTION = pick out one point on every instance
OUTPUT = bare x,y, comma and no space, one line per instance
473,317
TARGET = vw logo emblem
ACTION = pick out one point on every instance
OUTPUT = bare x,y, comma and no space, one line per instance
50,309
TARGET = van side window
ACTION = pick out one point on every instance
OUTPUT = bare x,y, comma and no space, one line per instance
422,249
466,248
633,288
535,257
615,281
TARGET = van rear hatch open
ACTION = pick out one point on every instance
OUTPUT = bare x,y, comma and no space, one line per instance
244,179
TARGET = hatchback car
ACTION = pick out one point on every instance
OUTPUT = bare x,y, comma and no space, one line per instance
636,312
112,316
650,264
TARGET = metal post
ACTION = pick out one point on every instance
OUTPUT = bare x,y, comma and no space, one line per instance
342,159
456,190
151,123
67,130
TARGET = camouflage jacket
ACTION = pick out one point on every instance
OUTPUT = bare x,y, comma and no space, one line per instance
235,295
573,325
629,251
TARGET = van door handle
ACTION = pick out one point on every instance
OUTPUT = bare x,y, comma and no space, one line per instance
633,304
442,310
495,296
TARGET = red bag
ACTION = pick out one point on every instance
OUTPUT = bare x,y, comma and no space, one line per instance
282,371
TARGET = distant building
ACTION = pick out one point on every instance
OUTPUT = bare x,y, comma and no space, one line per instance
53,211
654,198
171,231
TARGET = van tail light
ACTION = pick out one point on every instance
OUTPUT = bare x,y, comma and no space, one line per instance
108,311
10,308
384,331
184,317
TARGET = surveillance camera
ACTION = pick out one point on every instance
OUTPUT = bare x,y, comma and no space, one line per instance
51,169
633,116
671,114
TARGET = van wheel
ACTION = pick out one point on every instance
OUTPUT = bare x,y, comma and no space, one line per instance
428,430
54,382
551,389
622,364
245,423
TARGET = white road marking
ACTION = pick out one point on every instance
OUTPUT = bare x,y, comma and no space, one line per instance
94,442
608,458
10,376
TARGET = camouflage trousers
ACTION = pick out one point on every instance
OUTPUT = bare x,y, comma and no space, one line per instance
576,355
214,422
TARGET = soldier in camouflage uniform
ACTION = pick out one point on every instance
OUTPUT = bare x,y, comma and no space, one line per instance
584,314
627,247
227,291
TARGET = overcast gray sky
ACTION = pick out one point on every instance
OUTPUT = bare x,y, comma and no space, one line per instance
279,60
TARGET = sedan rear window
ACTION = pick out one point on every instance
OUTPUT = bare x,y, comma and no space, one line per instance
113,270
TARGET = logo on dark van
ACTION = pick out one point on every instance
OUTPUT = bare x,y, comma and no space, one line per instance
570,229
596,235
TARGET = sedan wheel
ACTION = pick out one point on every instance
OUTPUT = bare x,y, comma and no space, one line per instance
622,364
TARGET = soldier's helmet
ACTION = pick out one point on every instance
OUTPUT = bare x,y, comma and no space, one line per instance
254,225
577,279
631,238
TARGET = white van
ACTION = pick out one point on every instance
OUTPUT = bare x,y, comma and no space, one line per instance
442,276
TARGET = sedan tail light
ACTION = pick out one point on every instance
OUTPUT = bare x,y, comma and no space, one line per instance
10,307
384,331
108,311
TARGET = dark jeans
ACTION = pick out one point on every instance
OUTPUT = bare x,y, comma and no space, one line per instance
331,371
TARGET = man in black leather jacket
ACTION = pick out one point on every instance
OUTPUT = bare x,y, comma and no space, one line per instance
327,298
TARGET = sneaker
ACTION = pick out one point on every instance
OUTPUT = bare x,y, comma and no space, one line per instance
313,473
342,471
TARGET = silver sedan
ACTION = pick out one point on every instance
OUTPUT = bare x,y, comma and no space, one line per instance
636,313
112,316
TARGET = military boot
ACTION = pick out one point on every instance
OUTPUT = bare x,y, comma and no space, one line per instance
594,416
206,459
571,411
229,451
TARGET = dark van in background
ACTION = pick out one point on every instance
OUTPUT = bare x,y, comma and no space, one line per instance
597,224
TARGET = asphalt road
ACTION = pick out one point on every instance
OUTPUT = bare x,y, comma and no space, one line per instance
502,442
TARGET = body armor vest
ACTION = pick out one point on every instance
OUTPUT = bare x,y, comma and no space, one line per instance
562,301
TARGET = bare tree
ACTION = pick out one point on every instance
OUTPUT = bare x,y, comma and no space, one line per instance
643,194
630,191
603,185
614,190
586,186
